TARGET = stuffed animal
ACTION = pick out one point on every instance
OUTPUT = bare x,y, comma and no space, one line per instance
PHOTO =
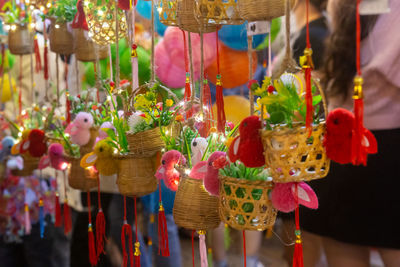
211,181
199,170
340,126
55,158
6,145
167,170
199,146
103,134
102,157
35,144
15,163
79,129
248,147
16,149
283,196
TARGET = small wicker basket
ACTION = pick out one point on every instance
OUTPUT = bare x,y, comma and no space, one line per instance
136,175
167,12
194,207
245,205
187,21
80,178
292,156
255,10
30,164
61,38
50,139
85,49
145,143
20,40
218,12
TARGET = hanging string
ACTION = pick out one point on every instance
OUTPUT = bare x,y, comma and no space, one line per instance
67,212
20,87
152,64
250,55
187,93
58,81
244,248
221,119
134,58
92,250
77,76
111,63
32,85
67,102
100,224
46,63
116,46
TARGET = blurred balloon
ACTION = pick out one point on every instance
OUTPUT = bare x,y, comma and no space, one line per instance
236,108
173,41
234,67
7,89
235,36
144,9
275,29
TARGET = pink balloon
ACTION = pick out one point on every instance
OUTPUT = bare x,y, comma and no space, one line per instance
169,74
173,39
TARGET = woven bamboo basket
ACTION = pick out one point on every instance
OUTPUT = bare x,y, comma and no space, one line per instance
145,143
255,10
30,164
101,18
136,175
50,139
174,129
80,178
94,132
194,208
167,12
61,38
85,49
187,20
218,12
20,40
245,205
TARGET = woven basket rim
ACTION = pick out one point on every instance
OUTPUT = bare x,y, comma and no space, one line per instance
284,129
246,182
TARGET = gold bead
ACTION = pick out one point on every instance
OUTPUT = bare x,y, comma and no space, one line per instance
358,91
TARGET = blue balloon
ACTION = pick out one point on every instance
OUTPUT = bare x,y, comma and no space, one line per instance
235,37
160,28
144,8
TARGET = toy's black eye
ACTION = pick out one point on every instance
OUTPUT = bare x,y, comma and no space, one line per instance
194,143
101,149
163,162
210,163
85,120
336,121
245,124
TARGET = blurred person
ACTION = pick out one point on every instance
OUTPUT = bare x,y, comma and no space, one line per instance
355,202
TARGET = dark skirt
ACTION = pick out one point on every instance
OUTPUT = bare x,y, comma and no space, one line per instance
361,205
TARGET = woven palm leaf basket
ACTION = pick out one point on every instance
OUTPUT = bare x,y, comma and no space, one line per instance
85,49
20,39
145,143
136,175
61,38
30,164
187,20
218,12
255,10
80,178
245,205
194,208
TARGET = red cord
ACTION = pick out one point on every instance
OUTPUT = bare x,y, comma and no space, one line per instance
221,119
308,24
358,38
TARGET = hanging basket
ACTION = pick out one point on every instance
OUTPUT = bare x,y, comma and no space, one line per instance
255,10
187,21
80,178
145,143
292,156
61,38
101,19
85,49
167,12
245,205
30,164
136,175
218,12
194,208
20,39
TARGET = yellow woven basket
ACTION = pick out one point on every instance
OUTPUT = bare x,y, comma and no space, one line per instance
136,175
61,38
245,205
255,10
194,208
30,164
218,12
20,40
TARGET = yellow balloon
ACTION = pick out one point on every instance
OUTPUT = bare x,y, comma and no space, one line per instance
6,88
236,108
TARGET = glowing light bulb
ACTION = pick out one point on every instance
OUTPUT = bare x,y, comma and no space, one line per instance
166,132
19,134
187,171
64,165
7,27
48,5
57,26
13,27
101,13
67,135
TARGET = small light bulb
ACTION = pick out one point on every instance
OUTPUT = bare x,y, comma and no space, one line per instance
67,135
57,26
48,5
187,171
13,27
64,165
108,98
166,132
7,27
19,134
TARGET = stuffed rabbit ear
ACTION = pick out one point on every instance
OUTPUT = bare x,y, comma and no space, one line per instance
306,195
24,147
15,149
44,162
88,160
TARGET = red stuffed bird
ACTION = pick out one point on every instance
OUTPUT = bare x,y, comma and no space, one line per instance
35,144
125,4
248,147
338,138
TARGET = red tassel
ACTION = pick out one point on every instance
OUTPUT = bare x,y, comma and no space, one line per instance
100,225
298,246
79,21
309,106
124,4
38,66
137,244
221,119
92,250
68,107
208,114
163,244
67,217
127,231
46,62
58,221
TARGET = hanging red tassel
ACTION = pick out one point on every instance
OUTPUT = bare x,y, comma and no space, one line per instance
163,245
221,119
46,62
92,250
38,65
137,244
188,90
124,4
67,107
79,21
298,246
126,232
67,217
309,106
100,225
58,221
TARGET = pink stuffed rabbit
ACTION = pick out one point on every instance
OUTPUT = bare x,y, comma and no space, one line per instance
283,196
79,129
167,170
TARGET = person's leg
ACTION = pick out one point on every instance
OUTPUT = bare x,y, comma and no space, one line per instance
390,257
61,248
218,246
341,254
312,248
